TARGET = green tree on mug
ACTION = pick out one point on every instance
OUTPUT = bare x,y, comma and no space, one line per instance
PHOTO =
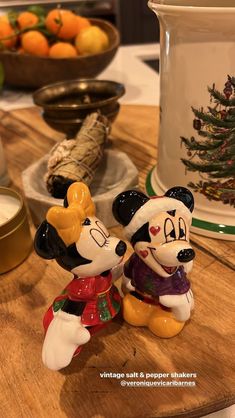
213,153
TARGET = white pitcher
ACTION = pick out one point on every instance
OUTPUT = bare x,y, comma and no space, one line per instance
197,125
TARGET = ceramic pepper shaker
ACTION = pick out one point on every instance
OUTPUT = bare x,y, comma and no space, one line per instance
157,290
81,244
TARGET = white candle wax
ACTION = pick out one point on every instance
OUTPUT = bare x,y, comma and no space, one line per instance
9,206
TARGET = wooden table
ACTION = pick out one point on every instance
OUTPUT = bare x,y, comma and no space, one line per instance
205,347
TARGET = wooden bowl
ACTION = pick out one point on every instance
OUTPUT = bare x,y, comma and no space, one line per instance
64,107
22,70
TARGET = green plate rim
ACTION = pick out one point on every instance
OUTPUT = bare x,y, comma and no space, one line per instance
197,223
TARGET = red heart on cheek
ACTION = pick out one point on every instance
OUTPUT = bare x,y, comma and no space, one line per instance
155,230
144,253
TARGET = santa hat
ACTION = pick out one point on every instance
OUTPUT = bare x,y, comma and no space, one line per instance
133,208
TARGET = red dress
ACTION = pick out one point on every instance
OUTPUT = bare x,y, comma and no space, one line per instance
102,300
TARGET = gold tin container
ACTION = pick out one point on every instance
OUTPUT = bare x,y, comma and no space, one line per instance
15,237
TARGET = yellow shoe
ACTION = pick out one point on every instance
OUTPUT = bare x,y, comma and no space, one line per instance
136,312
163,324
159,320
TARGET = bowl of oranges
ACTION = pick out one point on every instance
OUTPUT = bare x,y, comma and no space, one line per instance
39,48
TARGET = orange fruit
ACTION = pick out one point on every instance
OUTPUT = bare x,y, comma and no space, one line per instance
35,43
62,50
27,19
4,18
91,40
7,31
62,23
82,23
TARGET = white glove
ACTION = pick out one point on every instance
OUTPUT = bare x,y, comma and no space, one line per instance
126,283
64,335
181,305
117,271
188,266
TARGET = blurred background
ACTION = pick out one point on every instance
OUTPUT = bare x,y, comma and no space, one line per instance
136,23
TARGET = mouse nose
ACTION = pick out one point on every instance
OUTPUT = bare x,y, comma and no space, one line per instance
120,248
186,255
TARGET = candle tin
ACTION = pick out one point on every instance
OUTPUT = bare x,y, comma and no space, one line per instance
15,237
4,178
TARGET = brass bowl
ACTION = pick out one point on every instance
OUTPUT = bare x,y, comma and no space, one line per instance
22,70
63,103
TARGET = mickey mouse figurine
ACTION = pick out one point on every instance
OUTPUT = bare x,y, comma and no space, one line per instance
155,275
81,244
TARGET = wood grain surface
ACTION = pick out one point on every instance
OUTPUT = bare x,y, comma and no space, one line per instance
206,346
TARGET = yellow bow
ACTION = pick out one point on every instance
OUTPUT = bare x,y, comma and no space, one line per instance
68,221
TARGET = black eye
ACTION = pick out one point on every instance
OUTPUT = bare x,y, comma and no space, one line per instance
169,230
182,229
87,221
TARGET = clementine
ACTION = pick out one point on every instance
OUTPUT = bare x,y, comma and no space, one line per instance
91,40
20,51
62,50
82,23
27,19
4,18
35,43
62,23
7,37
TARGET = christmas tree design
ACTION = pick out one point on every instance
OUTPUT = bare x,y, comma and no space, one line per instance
213,153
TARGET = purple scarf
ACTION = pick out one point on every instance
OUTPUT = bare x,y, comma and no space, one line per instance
144,279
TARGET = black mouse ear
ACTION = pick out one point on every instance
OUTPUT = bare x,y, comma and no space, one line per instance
126,204
182,194
47,242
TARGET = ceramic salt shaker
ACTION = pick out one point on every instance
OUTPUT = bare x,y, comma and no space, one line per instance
81,244
157,291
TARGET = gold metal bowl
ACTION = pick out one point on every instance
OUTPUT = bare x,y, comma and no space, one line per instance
22,70
65,105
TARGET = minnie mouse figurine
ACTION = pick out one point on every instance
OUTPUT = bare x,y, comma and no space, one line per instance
81,244
159,294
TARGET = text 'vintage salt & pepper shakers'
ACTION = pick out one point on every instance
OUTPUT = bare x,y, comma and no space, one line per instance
81,244
157,291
